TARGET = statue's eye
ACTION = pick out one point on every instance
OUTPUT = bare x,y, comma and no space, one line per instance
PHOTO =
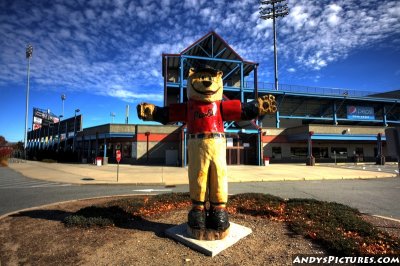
202,77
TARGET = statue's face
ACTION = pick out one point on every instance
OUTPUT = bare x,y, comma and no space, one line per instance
205,86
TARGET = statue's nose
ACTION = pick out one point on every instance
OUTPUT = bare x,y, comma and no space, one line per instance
207,83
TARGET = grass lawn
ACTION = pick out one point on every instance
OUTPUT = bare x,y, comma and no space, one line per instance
336,227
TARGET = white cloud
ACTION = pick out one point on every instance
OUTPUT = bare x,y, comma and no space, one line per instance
97,45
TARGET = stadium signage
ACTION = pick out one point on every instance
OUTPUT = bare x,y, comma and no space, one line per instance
360,112
43,118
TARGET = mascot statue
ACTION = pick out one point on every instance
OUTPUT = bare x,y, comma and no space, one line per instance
204,114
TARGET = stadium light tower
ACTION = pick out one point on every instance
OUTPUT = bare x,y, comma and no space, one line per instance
112,114
73,141
274,9
29,51
63,98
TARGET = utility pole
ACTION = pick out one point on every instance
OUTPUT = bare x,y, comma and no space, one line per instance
274,9
29,51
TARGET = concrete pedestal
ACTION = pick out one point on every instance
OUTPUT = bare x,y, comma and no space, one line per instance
209,248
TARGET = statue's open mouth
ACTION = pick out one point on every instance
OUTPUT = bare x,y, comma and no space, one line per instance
204,92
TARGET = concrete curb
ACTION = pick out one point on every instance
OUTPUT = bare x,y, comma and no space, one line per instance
70,201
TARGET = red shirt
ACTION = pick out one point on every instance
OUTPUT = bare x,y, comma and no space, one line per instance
203,117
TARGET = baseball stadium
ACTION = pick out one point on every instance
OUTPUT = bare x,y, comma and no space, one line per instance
311,124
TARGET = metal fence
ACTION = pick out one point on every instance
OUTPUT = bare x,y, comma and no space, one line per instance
265,86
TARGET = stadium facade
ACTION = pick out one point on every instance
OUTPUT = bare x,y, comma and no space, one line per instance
320,124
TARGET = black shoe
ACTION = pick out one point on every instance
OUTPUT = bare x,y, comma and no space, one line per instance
218,219
197,218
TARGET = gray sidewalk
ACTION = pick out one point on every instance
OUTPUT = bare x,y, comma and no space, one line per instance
139,174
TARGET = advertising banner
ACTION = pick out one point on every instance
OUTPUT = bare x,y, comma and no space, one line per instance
43,118
360,112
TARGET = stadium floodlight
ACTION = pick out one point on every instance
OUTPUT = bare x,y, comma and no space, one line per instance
73,140
112,114
274,9
29,52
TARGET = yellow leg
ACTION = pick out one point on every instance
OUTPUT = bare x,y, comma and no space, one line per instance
218,173
199,163
207,160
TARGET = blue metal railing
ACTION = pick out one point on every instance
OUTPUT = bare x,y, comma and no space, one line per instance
265,86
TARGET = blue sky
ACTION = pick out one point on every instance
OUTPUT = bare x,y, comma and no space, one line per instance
106,54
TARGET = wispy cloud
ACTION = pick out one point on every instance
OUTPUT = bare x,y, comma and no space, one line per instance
113,47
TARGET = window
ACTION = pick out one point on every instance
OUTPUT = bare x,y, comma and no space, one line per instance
341,152
320,152
298,152
276,153
126,150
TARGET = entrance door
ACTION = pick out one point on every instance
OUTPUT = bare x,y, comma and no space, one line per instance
242,149
360,153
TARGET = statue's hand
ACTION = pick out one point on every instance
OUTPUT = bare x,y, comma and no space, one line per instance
266,105
146,111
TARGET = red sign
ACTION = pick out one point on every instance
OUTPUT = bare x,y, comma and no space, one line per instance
118,156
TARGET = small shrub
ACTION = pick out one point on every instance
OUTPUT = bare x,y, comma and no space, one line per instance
5,153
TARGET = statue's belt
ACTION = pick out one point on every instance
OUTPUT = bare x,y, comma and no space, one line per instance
207,136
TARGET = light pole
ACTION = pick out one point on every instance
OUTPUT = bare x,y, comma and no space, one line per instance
29,51
58,132
63,98
73,141
112,114
273,9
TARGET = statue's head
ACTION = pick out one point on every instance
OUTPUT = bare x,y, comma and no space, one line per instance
205,84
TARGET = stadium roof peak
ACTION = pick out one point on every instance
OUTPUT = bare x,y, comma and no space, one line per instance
212,50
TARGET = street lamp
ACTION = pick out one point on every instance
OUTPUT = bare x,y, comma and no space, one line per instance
73,144
29,51
273,9
63,98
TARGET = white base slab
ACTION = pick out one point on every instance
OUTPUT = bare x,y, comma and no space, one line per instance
209,248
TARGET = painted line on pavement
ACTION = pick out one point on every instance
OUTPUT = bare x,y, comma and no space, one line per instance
387,218
152,190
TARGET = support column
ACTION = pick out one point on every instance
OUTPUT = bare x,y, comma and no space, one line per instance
105,159
278,121
258,122
335,121
259,146
310,157
90,148
380,159
241,83
182,62
385,124
184,148
165,79
97,144
66,136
